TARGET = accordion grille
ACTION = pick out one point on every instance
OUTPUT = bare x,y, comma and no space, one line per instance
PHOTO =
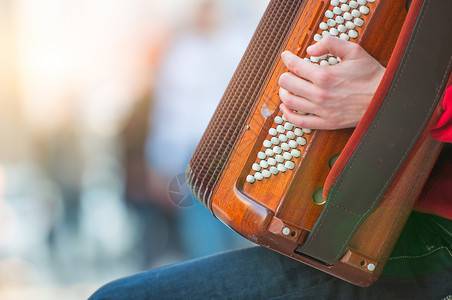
216,145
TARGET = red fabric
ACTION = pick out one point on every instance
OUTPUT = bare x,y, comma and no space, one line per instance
436,197
443,129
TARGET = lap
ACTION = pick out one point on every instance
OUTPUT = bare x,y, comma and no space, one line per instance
259,273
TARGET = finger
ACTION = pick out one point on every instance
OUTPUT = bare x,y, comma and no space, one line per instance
299,66
298,86
332,45
297,103
305,121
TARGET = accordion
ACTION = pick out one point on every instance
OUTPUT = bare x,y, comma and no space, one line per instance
336,200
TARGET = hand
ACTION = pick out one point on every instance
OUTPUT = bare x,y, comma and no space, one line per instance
334,96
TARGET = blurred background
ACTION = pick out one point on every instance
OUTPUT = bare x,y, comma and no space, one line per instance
101,105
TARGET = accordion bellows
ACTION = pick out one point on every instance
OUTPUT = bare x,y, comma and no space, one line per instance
230,118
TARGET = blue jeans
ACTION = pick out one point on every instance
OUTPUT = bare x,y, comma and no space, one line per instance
419,268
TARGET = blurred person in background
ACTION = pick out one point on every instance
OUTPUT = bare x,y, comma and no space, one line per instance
198,63
150,242
75,71
69,73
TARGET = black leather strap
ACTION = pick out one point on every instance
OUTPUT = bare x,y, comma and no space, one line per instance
407,108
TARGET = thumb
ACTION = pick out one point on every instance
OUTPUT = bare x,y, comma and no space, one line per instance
331,45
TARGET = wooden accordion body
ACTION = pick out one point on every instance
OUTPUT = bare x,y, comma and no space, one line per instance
269,199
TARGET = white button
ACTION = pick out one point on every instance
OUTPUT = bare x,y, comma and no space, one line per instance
266,173
280,129
267,143
261,155
334,2
277,149
258,176
344,37
345,7
371,267
289,165
290,135
282,138
323,26
317,37
274,171
353,34
295,153
350,25
272,132
301,141
339,20
250,179
286,231
358,22
348,16
334,31
362,2
337,10
306,130
332,60
288,126
293,144
324,63
331,23
269,152
274,141
281,168
279,158
314,59
285,146
356,13
298,131
256,167
287,156
364,10
353,4
278,120
264,164
342,28
323,57
329,14
271,161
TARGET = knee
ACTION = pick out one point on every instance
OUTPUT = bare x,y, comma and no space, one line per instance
111,290
133,287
